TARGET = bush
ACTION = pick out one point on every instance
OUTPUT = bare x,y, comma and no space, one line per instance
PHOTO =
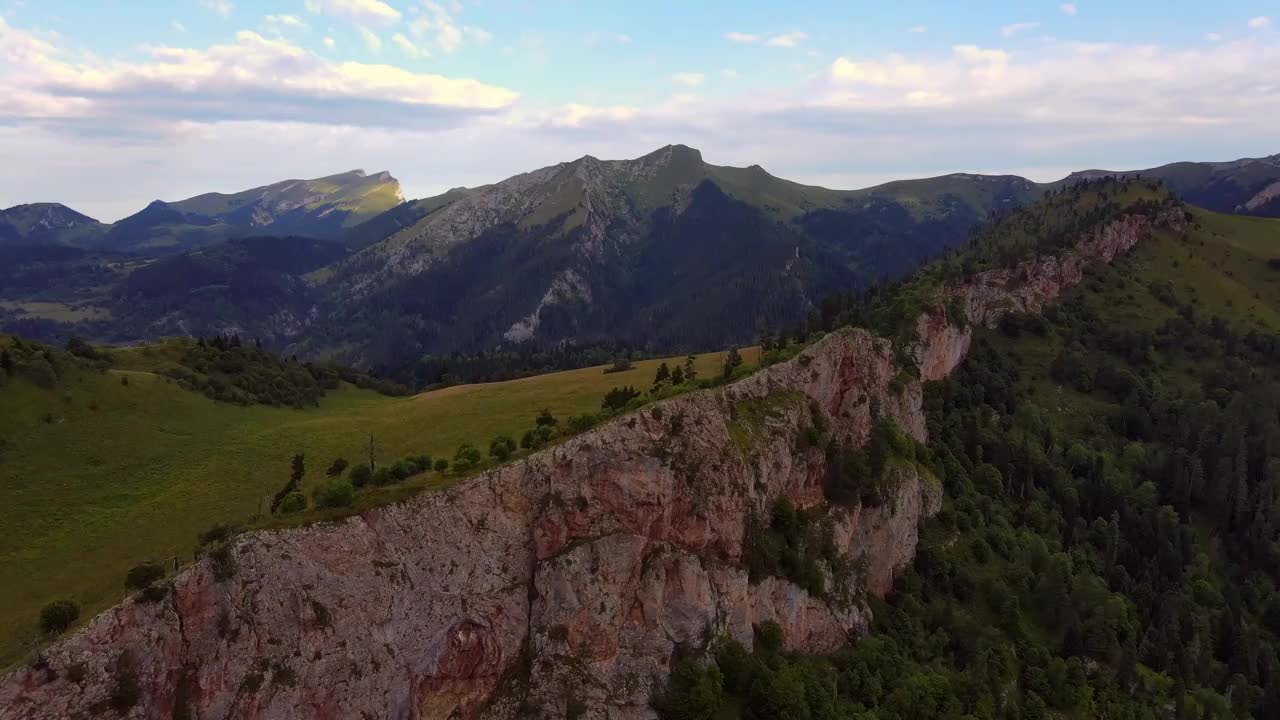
582,423
537,438
383,476
335,494
142,575
217,533
59,615
545,418
466,452
360,475
617,398
502,447
336,469
619,365
442,465
462,467
294,502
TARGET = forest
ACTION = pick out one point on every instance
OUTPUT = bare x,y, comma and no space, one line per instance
1108,545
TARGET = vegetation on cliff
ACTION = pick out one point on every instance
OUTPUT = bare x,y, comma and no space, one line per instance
1108,542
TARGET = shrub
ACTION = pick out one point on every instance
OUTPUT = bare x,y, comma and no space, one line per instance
360,475
142,575
153,593
383,476
502,447
545,418
59,615
537,438
582,423
442,465
462,467
467,452
336,493
294,502
217,533
619,365
403,469
336,469
617,398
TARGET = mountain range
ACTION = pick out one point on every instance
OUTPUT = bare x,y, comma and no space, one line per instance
323,208
662,253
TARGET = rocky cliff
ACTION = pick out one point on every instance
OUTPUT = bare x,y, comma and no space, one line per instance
560,585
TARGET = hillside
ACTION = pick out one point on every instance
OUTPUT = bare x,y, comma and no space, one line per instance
97,475
1249,186
44,224
734,538
323,208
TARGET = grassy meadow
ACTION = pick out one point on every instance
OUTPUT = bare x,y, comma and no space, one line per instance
97,475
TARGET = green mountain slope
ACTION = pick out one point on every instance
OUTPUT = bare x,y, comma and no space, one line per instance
97,475
325,208
664,251
1108,545
44,224
1249,186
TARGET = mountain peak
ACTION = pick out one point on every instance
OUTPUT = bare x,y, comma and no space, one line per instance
670,154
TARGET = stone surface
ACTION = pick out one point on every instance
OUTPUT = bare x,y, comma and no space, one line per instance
569,578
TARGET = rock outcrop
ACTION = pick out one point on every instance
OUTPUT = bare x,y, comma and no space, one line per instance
560,585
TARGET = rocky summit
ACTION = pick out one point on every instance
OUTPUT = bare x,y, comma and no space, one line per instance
568,580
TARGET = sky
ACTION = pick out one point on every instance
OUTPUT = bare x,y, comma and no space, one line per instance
108,105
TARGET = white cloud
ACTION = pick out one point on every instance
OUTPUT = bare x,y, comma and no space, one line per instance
789,39
1015,28
438,26
688,79
1260,23
1069,9
284,81
177,26
372,12
408,48
1213,37
371,39
292,21
730,73
330,43
918,29
222,7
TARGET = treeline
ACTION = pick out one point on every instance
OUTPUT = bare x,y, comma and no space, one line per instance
442,370
226,369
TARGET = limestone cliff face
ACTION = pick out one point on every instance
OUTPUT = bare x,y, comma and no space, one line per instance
566,580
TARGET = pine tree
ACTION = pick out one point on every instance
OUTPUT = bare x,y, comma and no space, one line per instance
662,376
677,376
690,372
6,362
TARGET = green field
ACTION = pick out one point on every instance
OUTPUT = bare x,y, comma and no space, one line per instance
96,476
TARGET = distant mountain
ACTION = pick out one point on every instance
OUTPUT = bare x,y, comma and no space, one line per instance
44,224
665,250
1249,186
325,208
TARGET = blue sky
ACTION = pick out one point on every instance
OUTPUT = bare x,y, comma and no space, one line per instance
109,105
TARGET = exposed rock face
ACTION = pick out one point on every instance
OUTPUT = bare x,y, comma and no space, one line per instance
564,581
